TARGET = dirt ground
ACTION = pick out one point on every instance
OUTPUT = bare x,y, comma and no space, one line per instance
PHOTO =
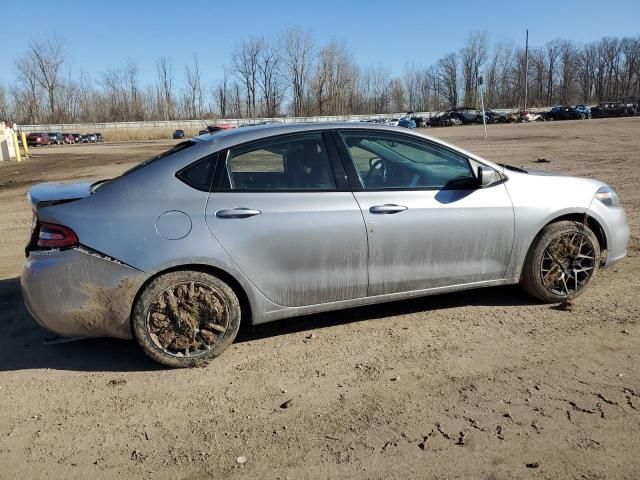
487,384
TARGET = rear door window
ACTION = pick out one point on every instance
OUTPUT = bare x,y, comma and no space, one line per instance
294,163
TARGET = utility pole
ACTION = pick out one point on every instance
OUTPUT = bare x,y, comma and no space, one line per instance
484,118
526,68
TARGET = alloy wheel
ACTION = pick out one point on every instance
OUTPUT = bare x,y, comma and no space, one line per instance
567,264
188,319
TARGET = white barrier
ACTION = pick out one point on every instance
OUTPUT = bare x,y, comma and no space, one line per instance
200,124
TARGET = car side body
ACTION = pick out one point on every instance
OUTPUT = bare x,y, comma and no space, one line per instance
296,252
56,138
38,139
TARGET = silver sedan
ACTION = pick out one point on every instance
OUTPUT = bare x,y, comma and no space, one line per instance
262,223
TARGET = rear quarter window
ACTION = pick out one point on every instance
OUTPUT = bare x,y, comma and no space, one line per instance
199,175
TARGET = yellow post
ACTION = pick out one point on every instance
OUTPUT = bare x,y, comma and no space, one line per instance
23,137
16,146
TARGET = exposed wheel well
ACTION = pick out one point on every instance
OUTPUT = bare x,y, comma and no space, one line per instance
591,222
245,306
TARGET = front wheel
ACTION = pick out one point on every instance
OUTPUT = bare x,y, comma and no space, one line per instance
561,262
186,318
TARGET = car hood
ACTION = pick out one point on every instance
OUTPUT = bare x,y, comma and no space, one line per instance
546,173
530,171
56,192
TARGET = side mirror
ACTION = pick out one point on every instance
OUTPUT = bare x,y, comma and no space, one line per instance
487,176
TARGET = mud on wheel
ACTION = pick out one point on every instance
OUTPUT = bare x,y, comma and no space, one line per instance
183,319
561,262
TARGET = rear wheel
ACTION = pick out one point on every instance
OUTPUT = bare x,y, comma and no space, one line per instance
561,262
186,318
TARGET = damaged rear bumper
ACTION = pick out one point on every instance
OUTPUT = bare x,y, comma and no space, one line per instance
79,293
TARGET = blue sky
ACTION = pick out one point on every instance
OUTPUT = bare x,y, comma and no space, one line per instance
101,35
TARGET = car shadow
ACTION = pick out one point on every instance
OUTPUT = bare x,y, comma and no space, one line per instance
23,347
24,344
510,295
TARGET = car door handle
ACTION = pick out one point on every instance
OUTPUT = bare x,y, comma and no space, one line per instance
237,213
387,209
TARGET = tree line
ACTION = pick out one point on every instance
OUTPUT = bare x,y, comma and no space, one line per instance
292,75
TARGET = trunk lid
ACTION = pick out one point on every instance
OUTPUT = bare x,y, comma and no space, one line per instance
51,193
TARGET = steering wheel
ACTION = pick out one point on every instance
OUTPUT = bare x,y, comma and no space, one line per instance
377,168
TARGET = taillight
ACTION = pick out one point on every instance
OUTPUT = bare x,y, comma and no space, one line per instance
56,236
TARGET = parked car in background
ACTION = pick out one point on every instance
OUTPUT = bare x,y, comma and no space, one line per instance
495,117
218,128
98,137
178,134
627,108
77,137
466,115
443,119
143,256
407,123
528,116
420,121
89,138
584,111
69,138
56,138
513,117
392,122
38,139
561,112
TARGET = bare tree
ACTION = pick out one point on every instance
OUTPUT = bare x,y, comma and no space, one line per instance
4,104
194,99
448,79
297,55
631,69
27,89
587,71
47,58
244,66
568,54
553,53
267,73
473,57
136,107
164,88
269,80
221,96
398,100
334,79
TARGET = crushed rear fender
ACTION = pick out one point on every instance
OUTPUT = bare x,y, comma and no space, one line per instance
80,293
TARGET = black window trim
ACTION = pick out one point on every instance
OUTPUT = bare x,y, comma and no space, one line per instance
354,177
337,168
215,157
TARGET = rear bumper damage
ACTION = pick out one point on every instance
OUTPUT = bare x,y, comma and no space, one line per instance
80,293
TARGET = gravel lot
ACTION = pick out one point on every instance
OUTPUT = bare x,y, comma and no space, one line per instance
487,384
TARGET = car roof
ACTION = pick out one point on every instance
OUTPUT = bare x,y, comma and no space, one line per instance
223,139
249,133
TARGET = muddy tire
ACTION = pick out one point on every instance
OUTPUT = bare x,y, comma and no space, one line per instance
185,318
561,262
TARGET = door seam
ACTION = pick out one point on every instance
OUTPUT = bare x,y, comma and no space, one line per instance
366,232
